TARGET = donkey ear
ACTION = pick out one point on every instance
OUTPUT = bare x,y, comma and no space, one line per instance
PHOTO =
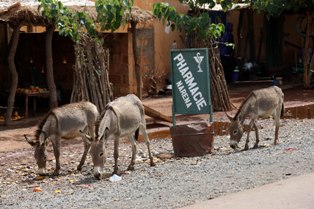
42,140
31,141
86,136
229,117
106,133
89,138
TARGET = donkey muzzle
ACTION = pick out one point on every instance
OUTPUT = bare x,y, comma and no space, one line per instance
97,172
97,176
41,171
234,144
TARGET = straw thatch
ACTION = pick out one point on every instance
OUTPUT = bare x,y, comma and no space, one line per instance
141,16
27,11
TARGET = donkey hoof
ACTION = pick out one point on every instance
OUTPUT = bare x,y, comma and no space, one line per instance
56,172
79,168
255,146
152,164
116,173
246,148
130,168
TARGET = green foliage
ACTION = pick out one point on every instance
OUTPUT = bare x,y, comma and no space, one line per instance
276,7
199,25
195,4
111,12
272,7
216,30
70,23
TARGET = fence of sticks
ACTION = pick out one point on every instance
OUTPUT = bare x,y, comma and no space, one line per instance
91,73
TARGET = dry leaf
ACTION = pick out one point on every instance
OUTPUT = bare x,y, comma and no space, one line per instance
37,189
71,180
39,178
57,191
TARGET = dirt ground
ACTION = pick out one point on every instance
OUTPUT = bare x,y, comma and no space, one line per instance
18,167
17,164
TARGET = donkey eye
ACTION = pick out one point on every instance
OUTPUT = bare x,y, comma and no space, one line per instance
235,131
101,154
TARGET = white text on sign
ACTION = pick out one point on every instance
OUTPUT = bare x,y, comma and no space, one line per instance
192,86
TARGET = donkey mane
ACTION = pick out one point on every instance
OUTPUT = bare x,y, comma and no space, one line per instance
99,119
243,103
42,123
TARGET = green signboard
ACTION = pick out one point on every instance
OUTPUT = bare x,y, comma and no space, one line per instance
190,82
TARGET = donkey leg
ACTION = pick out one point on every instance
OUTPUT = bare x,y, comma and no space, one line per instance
276,134
56,151
277,122
86,148
257,136
134,151
116,155
144,132
246,147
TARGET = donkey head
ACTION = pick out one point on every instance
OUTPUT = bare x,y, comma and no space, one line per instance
98,153
235,131
39,144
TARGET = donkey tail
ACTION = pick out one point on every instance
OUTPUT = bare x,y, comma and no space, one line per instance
282,110
136,134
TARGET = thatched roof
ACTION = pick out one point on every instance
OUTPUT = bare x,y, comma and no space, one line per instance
141,16
27,11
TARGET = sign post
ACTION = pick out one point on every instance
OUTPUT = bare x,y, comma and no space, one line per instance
190,82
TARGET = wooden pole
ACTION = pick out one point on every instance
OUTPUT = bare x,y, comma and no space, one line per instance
14,75
49,68
137,66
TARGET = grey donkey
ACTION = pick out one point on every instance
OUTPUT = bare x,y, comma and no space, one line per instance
263,103
67,121
122,117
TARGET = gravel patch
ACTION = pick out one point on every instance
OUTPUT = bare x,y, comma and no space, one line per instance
172,183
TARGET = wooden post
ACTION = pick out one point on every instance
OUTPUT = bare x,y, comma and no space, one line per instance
131,66
49,68
307,58
138,72
14,75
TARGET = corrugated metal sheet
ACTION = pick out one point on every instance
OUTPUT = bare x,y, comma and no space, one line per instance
218,7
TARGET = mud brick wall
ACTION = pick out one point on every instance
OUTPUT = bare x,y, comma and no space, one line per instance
146,50
120,75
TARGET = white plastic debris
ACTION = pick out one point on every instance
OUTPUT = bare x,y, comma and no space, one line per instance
115,177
